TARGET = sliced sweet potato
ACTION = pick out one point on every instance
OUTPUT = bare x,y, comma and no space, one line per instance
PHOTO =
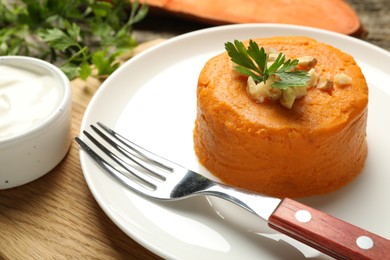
334,15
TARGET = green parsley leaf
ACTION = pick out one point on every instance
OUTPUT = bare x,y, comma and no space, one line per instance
253,62
240,56
105,65
85,71
58,39
73,34
279,61
70,70
297,78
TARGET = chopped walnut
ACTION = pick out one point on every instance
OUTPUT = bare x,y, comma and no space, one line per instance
324,83
307,62
342,79
313,78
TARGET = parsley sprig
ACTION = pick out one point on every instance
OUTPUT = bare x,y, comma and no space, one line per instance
83,37
252,61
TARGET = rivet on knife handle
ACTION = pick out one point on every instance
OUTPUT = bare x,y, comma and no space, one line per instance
328,234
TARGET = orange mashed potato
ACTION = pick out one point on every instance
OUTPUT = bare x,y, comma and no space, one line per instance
315,147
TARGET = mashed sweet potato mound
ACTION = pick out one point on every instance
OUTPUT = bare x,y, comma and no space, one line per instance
315,147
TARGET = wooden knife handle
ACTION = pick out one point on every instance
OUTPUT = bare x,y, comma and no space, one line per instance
327,234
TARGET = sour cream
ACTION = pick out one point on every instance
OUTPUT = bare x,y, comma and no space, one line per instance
27,98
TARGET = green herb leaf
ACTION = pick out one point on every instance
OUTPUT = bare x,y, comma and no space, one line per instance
279,61
258,55
297,78
85,71
253,61
288,66
70,70
74,35
239,55
58,39
104,63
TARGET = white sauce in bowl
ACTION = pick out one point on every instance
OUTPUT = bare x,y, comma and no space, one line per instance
35,119
27,98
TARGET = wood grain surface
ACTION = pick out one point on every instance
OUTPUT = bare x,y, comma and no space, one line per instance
56,217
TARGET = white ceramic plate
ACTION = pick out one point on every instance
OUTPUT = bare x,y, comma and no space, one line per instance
152,100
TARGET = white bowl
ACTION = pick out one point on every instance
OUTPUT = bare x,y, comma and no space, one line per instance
34,151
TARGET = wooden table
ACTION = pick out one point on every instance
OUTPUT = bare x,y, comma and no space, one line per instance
56,217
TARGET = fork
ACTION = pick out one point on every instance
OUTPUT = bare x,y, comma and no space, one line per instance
154,177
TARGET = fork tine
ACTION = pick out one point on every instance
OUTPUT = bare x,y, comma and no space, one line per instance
142,187
124,152
125,165
145,154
